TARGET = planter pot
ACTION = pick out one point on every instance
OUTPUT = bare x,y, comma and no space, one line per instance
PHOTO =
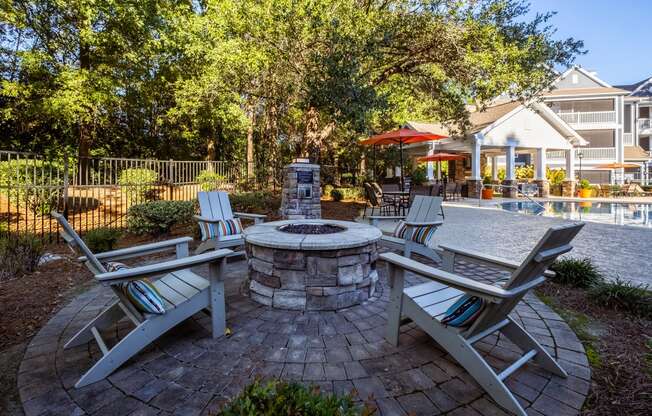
585,193
488,193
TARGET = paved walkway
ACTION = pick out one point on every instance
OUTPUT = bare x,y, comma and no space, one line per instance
187,372
618,251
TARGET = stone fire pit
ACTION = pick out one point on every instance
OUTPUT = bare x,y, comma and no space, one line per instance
312,264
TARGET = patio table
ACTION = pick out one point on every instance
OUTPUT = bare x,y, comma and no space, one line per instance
397,198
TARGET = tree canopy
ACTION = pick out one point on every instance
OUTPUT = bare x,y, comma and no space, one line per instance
263,80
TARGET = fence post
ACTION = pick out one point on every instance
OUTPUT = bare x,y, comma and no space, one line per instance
66,183
170,182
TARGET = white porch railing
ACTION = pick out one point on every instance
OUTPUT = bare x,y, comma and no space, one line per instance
588,153
628,139
644,124
589,118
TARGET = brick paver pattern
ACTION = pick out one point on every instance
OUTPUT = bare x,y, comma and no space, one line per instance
187,372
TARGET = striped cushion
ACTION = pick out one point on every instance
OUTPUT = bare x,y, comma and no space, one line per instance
421,235
222,228
141,293
464,311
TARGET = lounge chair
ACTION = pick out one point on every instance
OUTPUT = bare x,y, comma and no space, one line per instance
457,311
181,294
220,227
414,232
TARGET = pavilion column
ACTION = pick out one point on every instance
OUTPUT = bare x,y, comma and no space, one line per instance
509,191
494,169
429,169
642,170
540,175
568,186
474,183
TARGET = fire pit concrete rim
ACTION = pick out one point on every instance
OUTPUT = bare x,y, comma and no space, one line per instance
353,235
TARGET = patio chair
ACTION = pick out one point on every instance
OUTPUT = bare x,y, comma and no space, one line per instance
220,227
376,200
414,232
457,311
154,307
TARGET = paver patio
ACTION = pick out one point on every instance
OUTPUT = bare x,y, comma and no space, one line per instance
187,372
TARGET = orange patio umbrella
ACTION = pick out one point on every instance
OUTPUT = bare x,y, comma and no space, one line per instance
617,166
400,137
440,157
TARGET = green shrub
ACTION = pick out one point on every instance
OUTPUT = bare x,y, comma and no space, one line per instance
584,184
210,181
328,189
623,296
102,239
138,184
283,398
337,194
19,254
34,184
555,176
580,273
158,217
260,202
420,174
346,179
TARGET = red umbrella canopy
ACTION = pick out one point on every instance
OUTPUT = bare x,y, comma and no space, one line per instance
401,136
440,157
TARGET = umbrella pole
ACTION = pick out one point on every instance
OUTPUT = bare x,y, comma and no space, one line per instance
400,146
374,172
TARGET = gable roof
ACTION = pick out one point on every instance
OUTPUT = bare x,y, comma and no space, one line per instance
585,91
640,89
584,72
482,121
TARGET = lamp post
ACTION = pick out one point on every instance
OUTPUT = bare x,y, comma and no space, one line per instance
580,156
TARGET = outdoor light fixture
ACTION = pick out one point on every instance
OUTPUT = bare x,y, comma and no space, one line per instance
580,156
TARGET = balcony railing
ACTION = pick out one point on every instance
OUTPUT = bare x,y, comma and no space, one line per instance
588,153
589,119
628,139
644,124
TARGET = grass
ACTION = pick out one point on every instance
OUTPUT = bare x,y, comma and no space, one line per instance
579,323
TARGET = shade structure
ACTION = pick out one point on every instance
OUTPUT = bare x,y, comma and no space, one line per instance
400,137
617,166
440,157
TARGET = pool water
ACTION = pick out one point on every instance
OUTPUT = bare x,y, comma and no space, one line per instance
602,212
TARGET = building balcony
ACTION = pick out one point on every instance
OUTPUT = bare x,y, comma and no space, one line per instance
644,126
628,139
588,153
590,119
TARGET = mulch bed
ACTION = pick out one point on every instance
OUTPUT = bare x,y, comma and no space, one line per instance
622,383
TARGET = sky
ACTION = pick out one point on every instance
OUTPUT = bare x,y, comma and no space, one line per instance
616,34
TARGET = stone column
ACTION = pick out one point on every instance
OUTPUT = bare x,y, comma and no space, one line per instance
540,174
474,183
494,168
510,171
568,186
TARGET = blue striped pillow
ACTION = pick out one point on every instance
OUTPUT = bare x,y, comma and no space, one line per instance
422,234
141,293
464,311
219,229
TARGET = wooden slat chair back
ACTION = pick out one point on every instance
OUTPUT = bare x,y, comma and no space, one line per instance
425,209
530,273
426,304
214,207
183,293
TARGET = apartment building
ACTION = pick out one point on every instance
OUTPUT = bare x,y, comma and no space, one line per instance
615,121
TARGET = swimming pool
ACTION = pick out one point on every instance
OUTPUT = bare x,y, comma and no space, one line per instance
602,212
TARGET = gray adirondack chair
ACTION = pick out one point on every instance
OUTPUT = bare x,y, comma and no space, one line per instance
214,207
184,294
424,211
425,304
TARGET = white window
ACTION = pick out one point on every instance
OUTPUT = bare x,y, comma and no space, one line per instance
575,79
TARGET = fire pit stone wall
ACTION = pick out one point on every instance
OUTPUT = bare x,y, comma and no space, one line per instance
312,272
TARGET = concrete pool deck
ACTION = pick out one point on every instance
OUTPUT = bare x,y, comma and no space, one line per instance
619,251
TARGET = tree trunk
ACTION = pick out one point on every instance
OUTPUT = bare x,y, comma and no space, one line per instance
250,143
85,138
311,133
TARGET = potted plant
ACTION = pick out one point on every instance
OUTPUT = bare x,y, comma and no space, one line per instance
488,192
585,188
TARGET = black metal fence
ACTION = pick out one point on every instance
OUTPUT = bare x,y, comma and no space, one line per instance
97,192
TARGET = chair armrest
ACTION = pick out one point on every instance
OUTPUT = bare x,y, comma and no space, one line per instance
495,261
124,275
258,218
181,245
205,219
470,286
373,219
423,223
